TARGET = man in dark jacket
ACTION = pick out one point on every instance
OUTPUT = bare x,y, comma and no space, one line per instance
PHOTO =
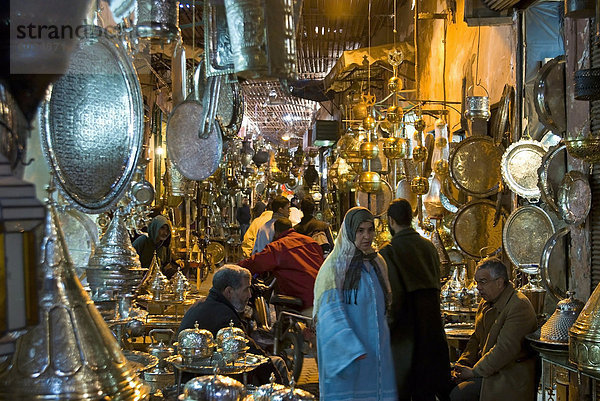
242,215
310,226
294,259
418,341
227,298
158,238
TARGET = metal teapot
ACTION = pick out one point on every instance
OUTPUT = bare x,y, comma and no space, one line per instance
161,376
194,344
556,329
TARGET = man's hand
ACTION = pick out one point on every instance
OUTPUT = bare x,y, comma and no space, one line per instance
462,373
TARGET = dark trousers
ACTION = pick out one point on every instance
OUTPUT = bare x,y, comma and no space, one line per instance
467,391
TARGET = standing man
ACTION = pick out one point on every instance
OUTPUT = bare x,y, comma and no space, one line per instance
310,226
294,259
158,239
495,363
242,215
266,233
419,346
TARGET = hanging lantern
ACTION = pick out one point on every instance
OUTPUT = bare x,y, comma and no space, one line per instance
360,111
369,181
393,148
394,114
419,185
20,215
394,84
369,150
441,168
369,122
419,153
420,125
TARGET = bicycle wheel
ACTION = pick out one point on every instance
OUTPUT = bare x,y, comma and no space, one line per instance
291,351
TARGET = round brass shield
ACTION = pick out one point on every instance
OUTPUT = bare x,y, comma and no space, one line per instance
475,166
474,231
525,233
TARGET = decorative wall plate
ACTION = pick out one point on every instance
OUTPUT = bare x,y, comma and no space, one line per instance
230,110
556,292
525,233
574,197
549,95
475,166
474,231
547,173
92,125
520,164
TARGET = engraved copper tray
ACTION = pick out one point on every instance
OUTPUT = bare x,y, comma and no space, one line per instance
377,202
474,231
475,166
92,124
520,164
525,233
574,197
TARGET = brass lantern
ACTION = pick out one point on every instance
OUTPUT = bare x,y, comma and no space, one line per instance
360,110
369,122
369,181
394,84
419,185
441,168
394,114
420,125
369,150
393,148
419,153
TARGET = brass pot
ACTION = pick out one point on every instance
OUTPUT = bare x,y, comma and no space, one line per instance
369,150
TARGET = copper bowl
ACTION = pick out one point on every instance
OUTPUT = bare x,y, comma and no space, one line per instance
584,148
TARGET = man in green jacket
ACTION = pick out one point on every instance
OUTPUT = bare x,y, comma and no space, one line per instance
421,357
496,364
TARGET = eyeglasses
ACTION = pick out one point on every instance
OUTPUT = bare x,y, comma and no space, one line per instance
484,282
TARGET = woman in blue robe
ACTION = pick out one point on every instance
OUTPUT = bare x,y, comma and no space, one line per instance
352,294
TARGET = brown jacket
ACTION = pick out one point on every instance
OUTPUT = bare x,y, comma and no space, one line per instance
497,350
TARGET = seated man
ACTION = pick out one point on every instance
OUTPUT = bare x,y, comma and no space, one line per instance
229,296
294,259
158,239
496,364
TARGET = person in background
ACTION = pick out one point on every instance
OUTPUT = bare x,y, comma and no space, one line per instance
496,364
250,235
242,215
295,213
281,208
259,207
157,240
352,292
227,298
419,346
312,227
294,259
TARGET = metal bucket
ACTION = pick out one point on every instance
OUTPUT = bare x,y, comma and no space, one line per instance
477,107
157,19
247,32
281,39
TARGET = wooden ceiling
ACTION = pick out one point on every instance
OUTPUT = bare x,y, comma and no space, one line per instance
326,28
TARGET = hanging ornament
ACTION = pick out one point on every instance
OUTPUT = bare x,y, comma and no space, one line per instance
394,114
369,122
419,153
394,84
441,168
369,181
420,125
419,185
369,150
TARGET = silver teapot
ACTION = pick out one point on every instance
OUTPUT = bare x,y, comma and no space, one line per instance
556,329
195,344
161,376
213,388
180,285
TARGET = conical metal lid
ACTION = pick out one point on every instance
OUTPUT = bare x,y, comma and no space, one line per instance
584,335
154,275
71,354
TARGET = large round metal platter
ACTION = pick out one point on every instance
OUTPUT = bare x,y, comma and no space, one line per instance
377,202
550,168
549,95
525,233
574,197
556,292
195,158
92,124
475,166
520,164
474,231
140,361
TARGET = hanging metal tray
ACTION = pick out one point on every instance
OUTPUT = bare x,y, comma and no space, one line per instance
92,125
549,95
230,110
475,166
574,197
377,202
547,176
520,164
525,233
474,231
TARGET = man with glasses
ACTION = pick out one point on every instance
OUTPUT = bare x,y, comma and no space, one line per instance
496,363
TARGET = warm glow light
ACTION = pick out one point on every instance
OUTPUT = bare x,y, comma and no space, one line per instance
160,151
285,137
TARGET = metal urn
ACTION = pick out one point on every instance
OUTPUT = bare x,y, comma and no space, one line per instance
195,345
71,354
229,331
556,329
114,268
584,336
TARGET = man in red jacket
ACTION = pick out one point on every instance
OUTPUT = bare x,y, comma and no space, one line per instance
294,259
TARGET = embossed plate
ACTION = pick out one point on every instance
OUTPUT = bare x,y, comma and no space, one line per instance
525,233
548,172
520,164
574,197
474,231
377,202
92,124
230,110
475,166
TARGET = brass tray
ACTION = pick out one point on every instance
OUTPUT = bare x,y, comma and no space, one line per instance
520,164
377,202
92,126
475,166
574,197
474,231
525,233
244,364
547,173
140,361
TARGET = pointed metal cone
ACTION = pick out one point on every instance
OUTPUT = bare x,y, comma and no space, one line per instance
71,354
154,271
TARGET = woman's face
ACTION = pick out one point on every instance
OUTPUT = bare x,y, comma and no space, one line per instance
364,236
